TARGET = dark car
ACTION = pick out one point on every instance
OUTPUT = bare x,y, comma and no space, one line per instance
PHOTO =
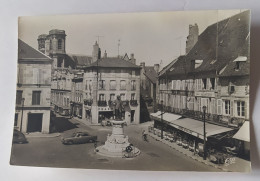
18,137
78,138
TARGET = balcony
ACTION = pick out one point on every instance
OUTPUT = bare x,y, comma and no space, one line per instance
102,103
133,103
88,102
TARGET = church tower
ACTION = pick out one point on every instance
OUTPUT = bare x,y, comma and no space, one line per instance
41,42
96,53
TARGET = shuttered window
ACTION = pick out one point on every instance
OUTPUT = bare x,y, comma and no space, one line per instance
19,95
36,97
241,108
227,107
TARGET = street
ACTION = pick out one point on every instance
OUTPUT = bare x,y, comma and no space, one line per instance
50,152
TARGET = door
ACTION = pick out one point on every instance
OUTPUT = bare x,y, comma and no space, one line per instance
34,123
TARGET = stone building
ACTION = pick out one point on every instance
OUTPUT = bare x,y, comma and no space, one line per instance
215,76
103,81
149,75
33,90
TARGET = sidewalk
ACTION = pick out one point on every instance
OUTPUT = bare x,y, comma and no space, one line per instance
41,135
235,165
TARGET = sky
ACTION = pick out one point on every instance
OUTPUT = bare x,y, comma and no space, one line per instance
153,37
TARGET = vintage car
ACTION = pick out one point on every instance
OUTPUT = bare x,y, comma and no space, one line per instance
78,138
18,137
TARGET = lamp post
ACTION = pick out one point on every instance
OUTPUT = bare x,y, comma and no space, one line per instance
204,132
21,124
162,119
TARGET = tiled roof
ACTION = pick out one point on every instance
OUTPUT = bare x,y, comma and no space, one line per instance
113,62
80,60
150,73
231,35
25,51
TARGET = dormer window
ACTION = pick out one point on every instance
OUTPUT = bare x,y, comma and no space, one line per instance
238,61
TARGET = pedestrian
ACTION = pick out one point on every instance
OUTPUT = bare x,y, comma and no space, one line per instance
144,135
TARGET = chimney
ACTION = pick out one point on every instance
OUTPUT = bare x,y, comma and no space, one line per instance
133,58
105,54
192,38
156,67
142,64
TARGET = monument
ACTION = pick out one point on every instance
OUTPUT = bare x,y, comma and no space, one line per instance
117,144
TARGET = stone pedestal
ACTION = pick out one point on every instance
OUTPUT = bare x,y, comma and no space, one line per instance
117,142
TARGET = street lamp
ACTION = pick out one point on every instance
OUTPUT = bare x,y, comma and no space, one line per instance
162,119
204,135
21,124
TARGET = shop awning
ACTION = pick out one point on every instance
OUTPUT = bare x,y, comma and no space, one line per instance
243,133
196,128
169,117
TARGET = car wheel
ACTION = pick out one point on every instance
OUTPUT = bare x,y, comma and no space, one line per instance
70,142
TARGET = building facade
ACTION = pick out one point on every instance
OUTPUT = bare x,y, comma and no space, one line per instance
33,90
103,81
213,76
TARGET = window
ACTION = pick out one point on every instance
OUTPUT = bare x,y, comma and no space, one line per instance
50,45
227,107
16,119
122,84
101,84
90,85
133,85
133,73
122,96
241,108
212,81
101,97
112,97
86,86
112,85
204,81
59,44
133,96
237,65
219,107
19,95
36,97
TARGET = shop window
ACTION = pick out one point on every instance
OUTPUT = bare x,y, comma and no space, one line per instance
36,97
227,107
241,108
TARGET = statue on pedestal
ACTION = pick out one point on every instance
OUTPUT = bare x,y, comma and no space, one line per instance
118,108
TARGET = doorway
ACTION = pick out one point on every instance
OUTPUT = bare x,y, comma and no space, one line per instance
34,122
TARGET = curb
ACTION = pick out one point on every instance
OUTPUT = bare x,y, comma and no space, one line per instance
43,135
193,157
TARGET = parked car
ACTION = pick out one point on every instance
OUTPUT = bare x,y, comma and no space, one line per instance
78,138
18,137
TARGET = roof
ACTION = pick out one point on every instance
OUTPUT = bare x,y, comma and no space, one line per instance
27,52
244,132
218,45
150,73
80,60
222,41
113,62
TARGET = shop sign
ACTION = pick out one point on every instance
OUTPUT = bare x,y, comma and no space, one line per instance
205,94
185,130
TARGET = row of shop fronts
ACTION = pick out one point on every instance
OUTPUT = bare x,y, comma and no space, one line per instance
220,141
